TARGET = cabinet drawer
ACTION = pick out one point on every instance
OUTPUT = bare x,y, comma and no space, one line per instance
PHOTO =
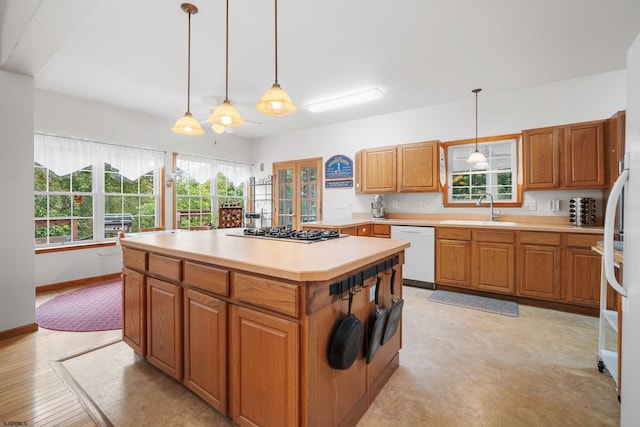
494,236
270,294
381,230
363,230
540,238
453,233
583,240
205,277
169,268
134,258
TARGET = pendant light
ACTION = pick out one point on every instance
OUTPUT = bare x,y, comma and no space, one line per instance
476,156
275,101
226,115
187,124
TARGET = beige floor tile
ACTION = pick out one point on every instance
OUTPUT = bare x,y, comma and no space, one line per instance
458,367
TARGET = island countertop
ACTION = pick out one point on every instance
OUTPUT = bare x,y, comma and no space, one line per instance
280,258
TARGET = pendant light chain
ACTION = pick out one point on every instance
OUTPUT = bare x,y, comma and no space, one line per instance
476,91
189,65
187,124
226,83
276,37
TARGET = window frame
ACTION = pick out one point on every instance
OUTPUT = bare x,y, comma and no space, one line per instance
517,173
98,206
213,195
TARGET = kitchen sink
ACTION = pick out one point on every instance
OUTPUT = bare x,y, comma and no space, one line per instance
477,222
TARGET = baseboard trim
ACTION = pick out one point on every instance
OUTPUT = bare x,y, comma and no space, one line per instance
79,282
20,330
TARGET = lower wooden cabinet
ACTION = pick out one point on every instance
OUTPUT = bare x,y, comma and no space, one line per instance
134,310
264,368
583,266
539,271
453,257
164,326
557,267
493,261
381,230
205,348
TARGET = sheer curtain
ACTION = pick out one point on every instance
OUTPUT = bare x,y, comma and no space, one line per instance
203,169
66,155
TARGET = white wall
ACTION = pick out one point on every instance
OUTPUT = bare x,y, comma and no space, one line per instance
17,293
68,116
589,98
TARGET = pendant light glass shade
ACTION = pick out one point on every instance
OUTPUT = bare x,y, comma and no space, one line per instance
187,124
476,156
226,115
275,101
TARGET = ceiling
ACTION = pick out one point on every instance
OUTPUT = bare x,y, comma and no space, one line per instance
133,54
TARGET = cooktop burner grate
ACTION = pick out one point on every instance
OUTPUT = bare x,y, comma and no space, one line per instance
284,233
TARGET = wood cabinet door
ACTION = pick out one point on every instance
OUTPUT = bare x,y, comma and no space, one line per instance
164,326
418,167
358,172
541,153
351,231
379,170
493,267
453,262
264,366
381,230
134,319
584,155
582,281
205,348
539,271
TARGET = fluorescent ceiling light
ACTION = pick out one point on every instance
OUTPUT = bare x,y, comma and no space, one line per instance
345,101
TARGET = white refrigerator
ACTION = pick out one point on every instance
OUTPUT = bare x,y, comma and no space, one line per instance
630,380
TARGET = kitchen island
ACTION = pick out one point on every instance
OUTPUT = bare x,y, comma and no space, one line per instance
247,323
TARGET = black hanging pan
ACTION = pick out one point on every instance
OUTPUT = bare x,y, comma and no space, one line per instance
395,312
379,320
347,340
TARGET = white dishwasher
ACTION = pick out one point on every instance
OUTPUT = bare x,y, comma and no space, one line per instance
419,258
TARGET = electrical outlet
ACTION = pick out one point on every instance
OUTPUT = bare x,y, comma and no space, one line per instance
396,205
530,205
423,205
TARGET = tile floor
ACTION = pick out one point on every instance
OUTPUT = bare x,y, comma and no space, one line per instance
458,367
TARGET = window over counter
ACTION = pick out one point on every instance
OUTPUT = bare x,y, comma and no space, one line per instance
203,186
86,191
500,175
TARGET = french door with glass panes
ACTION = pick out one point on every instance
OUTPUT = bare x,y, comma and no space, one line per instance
297,192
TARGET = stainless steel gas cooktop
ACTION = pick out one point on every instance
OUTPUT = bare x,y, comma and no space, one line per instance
288,234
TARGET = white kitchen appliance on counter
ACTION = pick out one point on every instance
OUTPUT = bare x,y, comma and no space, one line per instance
377,207
419,258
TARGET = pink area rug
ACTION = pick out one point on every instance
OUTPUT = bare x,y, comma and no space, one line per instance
95,308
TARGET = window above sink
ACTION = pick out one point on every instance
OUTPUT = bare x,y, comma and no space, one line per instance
500,175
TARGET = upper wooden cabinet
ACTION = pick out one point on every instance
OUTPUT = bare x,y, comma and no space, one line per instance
418,167
565,157
379,170
400,168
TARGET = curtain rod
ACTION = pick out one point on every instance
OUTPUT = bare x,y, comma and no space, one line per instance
97,142
214,158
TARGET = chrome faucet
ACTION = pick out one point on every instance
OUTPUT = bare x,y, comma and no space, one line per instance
492,215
